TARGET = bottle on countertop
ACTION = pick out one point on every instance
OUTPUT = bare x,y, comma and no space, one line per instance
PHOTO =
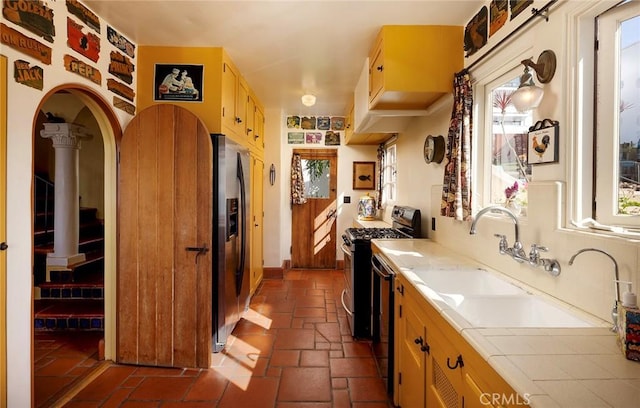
629,324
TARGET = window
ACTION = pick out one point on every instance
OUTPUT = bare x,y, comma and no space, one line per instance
316,177
617,153
509,171
390,174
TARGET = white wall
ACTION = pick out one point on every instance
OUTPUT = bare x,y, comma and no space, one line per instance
277,239
22,109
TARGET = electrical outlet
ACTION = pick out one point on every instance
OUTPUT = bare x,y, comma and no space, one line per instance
347,199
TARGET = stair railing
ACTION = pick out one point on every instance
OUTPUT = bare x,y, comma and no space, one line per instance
48,186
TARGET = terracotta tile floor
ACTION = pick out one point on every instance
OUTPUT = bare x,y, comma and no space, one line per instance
292,349
61,359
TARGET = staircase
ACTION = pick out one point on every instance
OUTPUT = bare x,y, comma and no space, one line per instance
72,297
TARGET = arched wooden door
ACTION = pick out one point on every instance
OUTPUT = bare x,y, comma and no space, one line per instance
313,235
165,211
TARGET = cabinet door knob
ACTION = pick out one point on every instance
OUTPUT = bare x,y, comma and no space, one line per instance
380,68
3,246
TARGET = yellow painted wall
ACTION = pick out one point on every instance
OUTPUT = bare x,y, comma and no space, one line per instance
210,109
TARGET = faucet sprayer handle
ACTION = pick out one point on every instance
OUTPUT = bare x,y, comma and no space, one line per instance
503,245
539,247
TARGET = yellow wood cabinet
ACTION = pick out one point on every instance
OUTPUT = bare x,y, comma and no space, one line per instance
235,93
435,366
255,124
410,67
256,225
352,138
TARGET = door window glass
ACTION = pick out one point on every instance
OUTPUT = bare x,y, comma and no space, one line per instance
316,178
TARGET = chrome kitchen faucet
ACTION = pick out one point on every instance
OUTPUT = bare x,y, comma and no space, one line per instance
516,252
614,310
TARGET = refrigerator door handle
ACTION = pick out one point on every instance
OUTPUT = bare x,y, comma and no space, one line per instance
243,238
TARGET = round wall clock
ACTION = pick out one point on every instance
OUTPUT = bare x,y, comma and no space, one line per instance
434,149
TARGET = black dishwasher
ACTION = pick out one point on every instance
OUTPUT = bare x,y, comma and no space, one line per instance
382,324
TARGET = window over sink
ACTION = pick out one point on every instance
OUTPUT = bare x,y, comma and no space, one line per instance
509,171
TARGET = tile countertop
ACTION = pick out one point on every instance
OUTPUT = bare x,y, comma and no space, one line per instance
555,367
371,223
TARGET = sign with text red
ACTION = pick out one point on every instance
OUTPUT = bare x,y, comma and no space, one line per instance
87,44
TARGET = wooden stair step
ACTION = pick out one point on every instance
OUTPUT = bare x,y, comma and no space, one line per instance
81,314
91,288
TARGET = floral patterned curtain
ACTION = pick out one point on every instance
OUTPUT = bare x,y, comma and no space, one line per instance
380,175
297,181
456,189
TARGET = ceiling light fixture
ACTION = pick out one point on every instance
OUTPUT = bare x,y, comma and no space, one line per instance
308,100
528,96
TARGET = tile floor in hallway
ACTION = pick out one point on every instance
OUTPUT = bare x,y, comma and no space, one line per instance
292,349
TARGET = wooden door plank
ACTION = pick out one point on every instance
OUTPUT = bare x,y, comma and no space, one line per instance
164,275
128,280
148,235
204,276
185,218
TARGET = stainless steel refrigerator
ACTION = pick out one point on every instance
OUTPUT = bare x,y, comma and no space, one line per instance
231,239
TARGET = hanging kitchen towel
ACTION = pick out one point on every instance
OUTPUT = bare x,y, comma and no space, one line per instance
297,181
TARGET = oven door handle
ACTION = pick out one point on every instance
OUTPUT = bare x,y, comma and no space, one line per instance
345,249
344,305
381,268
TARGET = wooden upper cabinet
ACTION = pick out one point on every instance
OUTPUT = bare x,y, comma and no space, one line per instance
235,95
242,100
251,119
230,80
412,66
258,133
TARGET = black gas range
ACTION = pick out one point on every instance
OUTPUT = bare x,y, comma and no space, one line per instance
357,295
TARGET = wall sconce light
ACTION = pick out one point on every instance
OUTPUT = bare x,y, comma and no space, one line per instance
528,95
308,100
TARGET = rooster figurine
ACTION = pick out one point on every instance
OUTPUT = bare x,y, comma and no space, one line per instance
540,148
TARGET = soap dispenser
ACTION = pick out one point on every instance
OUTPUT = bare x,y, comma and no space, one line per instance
629,324
629,299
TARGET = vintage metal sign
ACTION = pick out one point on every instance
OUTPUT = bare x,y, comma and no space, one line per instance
33,15
86,44
24,44
124,105
121,67
72,64
120,89
27,75
121,42
84,14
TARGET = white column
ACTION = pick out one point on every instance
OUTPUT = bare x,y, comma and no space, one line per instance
66,138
